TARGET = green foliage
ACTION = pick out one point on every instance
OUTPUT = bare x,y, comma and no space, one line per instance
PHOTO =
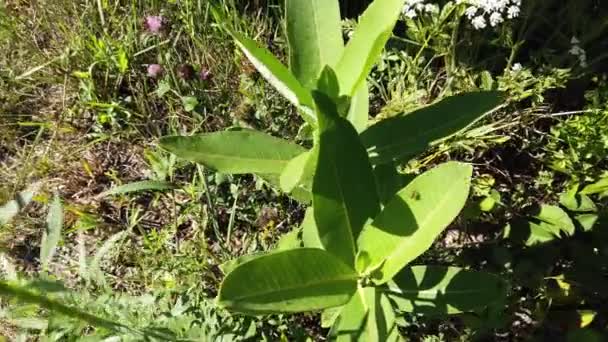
413,218
315,38
437,290
277,282
406,135
350,244
341,209
243,151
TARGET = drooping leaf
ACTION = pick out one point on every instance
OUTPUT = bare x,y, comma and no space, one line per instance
443,290
302,279
298,172
52,233
12,208
344,190
276,74
358,113
368,316
236,152
148,185
315,39
406,135
310,233
410,222
548,224
364,48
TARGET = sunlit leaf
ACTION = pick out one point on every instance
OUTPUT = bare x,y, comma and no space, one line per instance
364,48
276,74
315,39
302,279
236,152
412,220
344,189
404,136
368,316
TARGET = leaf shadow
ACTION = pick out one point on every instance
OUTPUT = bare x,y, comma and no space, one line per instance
430,295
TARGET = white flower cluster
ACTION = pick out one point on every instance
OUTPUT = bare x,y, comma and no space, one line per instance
579,52
480,12
412,8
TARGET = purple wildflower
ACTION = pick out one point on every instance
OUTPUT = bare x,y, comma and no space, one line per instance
154,23
155,70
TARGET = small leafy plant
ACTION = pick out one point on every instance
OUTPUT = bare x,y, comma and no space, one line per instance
365,224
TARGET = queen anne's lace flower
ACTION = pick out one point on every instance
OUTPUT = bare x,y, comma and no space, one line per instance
480,12
412,8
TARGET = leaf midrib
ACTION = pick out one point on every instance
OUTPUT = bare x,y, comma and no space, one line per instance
297,287
427,218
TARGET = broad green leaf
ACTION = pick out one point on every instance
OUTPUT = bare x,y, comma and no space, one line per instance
298,172
344,190
596,188
302,279
148,185
368,316
548,224
276,74
12,208
406,135
364,48
443,290
235,152
52,233
358,113
310,233
314,34
410,222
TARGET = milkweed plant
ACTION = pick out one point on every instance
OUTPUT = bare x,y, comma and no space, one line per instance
365,225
